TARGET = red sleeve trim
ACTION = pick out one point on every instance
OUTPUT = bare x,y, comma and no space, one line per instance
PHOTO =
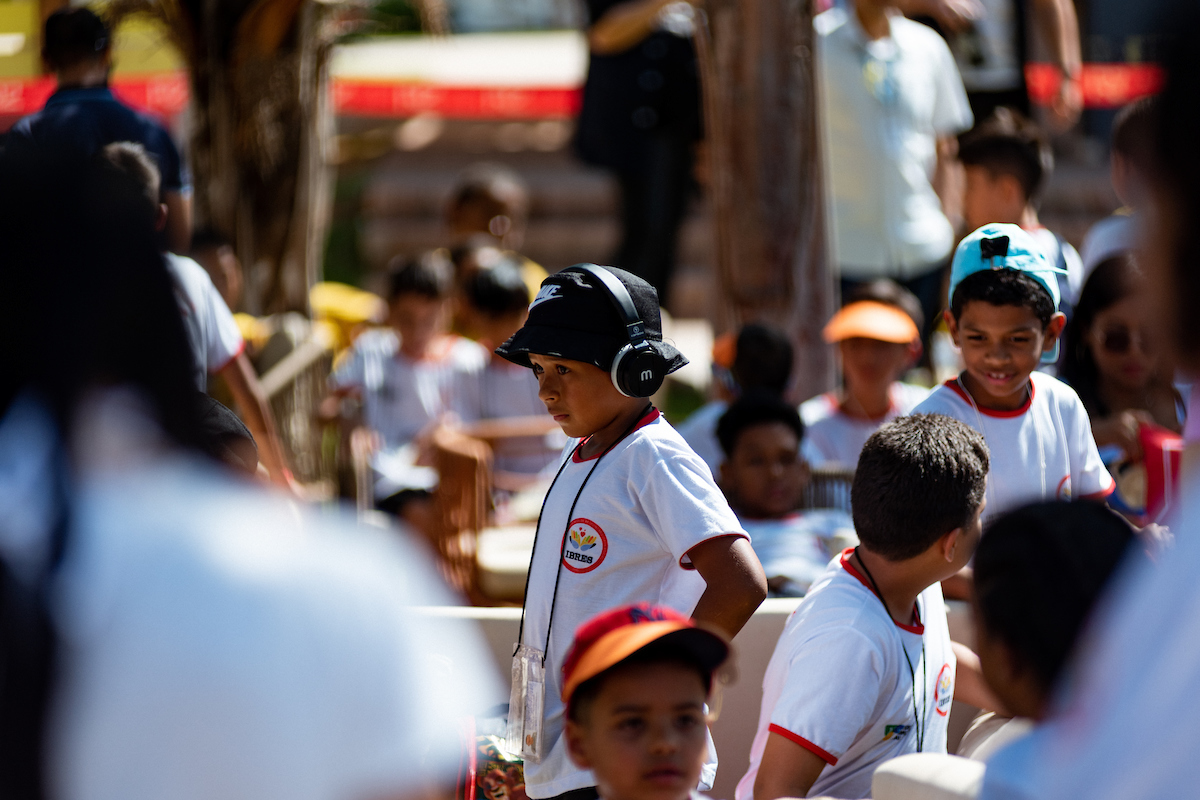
241,349
825,756
1100,495
687,554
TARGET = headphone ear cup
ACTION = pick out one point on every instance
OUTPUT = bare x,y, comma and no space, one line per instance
638,371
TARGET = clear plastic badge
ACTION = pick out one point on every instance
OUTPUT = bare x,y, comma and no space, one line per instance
524,734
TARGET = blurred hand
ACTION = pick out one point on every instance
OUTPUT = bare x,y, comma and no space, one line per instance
954,16
1121,429
1066,105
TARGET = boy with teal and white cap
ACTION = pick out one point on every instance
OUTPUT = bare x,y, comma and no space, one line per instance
1002,314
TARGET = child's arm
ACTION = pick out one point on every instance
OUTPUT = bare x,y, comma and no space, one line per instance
786,770
736,582
969,685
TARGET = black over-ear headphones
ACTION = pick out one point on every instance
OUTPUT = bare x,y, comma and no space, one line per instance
638,370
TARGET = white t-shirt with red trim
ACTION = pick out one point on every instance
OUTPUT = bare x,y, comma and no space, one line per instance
1043,450
211,330
649,501
843,679
834,438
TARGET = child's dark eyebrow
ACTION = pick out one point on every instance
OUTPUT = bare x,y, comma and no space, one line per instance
1022,329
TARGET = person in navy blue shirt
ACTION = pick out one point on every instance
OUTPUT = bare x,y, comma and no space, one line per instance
82,116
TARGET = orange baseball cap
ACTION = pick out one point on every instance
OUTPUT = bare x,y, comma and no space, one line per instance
868,319
610,638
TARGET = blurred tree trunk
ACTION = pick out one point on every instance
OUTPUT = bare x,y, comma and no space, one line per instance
261,126
757,71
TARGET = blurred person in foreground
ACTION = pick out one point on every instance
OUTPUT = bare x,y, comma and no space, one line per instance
1121,722
83,115
167,630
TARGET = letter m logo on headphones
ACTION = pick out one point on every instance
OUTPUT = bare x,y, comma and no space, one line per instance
638,370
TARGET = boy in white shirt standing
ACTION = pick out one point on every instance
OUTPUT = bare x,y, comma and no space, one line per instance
864,670
1003,296
633,514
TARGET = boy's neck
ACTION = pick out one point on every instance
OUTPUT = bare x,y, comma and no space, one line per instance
870,402
873,17
896,582
625,419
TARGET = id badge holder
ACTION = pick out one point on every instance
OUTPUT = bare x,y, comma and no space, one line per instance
526,704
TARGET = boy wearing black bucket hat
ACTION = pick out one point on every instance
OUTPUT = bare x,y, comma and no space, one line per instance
633,514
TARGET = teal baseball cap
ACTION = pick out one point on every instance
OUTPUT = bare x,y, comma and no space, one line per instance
1004,246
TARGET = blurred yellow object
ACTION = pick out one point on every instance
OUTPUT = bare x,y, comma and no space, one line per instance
346,309
254,330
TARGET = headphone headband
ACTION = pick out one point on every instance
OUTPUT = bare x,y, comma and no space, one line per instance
635,328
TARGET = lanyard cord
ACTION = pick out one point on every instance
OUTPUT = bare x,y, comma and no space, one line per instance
562,548
917,720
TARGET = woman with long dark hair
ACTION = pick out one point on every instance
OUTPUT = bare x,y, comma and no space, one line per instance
1114,362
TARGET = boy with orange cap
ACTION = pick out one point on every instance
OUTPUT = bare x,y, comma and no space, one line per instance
878,337
635,684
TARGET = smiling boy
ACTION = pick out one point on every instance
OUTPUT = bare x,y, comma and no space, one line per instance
1003,296
633,514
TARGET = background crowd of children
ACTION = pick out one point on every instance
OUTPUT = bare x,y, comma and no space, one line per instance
189,609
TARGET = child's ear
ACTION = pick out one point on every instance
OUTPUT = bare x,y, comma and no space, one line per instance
915,348
952,325
576,747
948,545
1053,330
160,222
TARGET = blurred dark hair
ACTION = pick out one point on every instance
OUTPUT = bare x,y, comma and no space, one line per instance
918,478
72,36
755,409
888,292
1176,172
1008,143
762,359
209,239
1111,281
1003,287
499,290
429,275
127,163
496,188
1133,132
1039,570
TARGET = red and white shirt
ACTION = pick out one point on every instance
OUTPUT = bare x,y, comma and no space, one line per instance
649,501
833,437
1043,450
844,677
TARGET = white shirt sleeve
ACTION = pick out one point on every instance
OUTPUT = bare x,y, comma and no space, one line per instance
682,502
225,341
833,682
951,111
1089,478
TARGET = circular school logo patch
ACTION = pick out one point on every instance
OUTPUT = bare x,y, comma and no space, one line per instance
586,546
943,691
1064,488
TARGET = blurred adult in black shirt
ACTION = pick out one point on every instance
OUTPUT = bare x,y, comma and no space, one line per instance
641,120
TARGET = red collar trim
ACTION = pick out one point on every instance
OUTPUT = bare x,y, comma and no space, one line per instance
650,416
1001,413
918,629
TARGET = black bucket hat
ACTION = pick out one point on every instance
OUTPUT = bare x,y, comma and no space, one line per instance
574,317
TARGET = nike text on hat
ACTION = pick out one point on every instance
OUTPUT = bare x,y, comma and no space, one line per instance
573,317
